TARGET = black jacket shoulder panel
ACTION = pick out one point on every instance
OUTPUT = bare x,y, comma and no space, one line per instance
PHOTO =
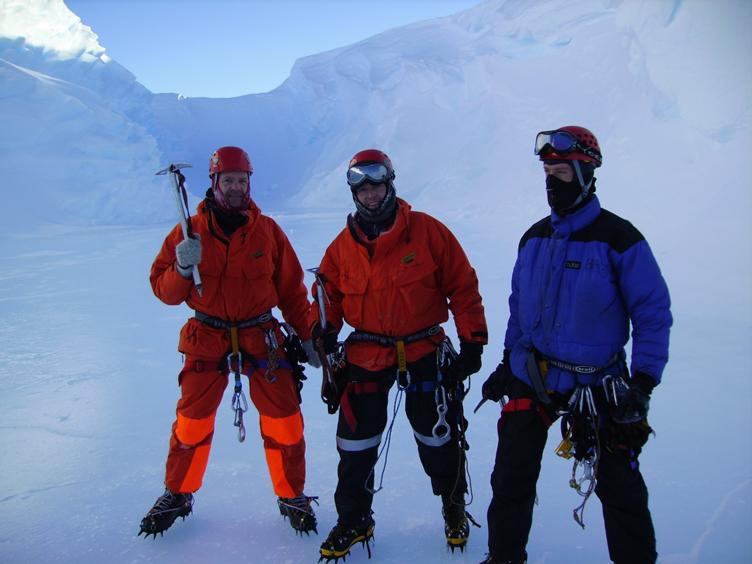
542,230
611,229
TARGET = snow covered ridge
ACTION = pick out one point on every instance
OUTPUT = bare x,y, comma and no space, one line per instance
76,118
49,24
455,101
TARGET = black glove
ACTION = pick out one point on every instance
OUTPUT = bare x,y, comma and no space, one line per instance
466,363
498,382
327,338
634,402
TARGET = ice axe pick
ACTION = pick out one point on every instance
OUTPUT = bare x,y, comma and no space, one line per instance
181,199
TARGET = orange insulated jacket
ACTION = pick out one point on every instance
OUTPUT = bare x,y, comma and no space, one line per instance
404,281
243,276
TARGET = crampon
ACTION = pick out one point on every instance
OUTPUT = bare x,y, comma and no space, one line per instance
342,538
168,507
456,524
300,512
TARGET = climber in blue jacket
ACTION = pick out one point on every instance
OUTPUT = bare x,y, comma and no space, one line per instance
583,275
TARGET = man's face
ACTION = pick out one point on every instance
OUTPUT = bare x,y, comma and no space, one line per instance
234,186
562,171
371,195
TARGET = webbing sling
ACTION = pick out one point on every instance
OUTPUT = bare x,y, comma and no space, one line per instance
356,388
239,403
527,404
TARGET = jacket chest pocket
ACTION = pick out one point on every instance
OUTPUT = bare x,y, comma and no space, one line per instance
353,284
255,265
417,291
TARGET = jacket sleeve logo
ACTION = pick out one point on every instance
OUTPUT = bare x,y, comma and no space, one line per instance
575,264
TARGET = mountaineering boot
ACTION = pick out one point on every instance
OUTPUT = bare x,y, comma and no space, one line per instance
492,560
456,521
300,512
168,507
342,537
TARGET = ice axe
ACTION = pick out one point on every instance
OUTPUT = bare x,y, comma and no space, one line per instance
181,199
329,391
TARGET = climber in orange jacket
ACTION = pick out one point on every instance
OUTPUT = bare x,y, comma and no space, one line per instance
247,267
394,274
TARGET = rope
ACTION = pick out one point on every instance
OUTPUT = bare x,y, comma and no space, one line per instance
385,447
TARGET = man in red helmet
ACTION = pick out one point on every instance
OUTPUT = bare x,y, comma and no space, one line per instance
394,274
582,276
247,267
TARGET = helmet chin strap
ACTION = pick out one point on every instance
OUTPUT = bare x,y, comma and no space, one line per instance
584,187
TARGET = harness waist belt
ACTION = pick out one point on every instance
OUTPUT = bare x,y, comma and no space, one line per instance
217,323
579,368
389,341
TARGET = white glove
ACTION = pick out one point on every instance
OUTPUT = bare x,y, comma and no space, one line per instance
188,254
313,356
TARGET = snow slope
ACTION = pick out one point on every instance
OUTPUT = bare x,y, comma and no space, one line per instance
88,363
77,119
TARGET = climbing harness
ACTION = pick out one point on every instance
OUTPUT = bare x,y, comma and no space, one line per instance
239,403
399,343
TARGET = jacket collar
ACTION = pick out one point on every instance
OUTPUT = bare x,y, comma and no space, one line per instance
385,241
253,212
563,225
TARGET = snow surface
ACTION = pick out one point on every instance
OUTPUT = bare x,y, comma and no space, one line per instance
88,366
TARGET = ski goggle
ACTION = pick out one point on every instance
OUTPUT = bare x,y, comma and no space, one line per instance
562,142
375,173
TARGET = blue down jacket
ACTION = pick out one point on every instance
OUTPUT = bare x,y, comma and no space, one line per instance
578,282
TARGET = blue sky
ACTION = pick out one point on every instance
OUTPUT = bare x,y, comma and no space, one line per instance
233,47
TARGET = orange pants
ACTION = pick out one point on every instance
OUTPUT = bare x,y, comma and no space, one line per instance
202,385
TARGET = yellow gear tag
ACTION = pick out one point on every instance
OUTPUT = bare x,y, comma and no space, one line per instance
234,339
566,447
401,357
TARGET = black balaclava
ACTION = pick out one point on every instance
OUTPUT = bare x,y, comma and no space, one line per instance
564,197
374,222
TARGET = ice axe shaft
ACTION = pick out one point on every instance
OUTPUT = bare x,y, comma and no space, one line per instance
178,191
328,384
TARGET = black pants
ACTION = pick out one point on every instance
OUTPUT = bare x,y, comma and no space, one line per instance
362,421
619,486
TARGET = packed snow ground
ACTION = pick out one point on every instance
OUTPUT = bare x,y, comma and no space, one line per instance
88,386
